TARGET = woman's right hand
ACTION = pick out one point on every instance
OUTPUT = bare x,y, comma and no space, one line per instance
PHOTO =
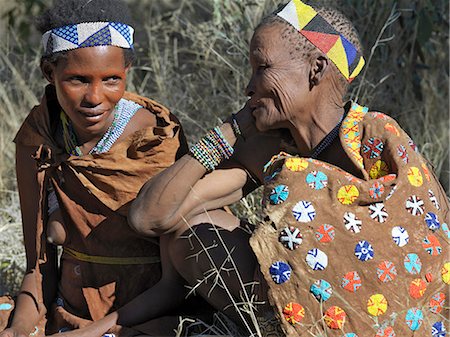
13,332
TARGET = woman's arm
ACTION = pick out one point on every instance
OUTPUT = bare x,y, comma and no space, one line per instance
185,189
29,310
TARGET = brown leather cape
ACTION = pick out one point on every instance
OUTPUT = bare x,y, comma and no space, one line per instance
94,193
368,257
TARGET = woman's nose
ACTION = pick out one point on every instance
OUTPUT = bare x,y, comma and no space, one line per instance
250,90
93,96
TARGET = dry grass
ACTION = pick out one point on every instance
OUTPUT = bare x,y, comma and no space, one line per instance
193,58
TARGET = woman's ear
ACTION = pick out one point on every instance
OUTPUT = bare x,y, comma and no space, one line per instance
48,69
319,64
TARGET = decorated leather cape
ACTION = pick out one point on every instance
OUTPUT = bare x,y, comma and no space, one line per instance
351,257
94,193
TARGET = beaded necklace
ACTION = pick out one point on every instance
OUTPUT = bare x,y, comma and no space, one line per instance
123,112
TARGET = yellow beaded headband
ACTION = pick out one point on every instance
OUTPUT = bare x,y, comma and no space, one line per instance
347,58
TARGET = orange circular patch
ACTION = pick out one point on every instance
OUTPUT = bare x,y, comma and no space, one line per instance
294,313
347,194
335,317
417,288
426,172
445,273
415,177
392,129
296,164
379,169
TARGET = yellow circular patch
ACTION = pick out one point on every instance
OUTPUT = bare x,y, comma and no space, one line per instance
445,273
347,194
377,305
415,177
379,169
296,164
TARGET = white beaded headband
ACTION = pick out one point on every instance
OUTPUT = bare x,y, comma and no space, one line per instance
87,34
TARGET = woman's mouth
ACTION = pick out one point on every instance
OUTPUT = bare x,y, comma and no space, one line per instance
92,116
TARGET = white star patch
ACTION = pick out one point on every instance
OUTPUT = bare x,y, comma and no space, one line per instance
291,237
378,212
433,199
352,223
414,205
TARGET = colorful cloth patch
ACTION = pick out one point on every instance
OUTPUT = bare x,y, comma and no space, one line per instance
351,281
445,273
414,318
413,264
372,148
413,145
347,194
352,223
414,205
391,193
401,151
377,305
364,251
378,212
335,317
432,221
415,177
317,259
417,288
432,245
433,199
446,230
304,211
321,290
294,313
290,237
438,330
376,191
392,129
386,271
426,172
400,236
385,332
279,194
296,164
325,233
379,169
280,272
437,303
317,180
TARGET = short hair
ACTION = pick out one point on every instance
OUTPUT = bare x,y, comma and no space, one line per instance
69,12
302,48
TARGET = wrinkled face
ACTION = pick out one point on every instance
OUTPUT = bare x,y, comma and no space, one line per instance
279,82
89,82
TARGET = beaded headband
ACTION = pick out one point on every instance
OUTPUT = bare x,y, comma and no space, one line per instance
87,34
321,33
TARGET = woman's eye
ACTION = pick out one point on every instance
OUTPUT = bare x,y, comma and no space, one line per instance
112,80
76,80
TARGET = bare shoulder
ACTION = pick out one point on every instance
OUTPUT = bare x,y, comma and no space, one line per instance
142,119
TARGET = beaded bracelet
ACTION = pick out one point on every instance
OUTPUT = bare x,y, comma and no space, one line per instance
212,149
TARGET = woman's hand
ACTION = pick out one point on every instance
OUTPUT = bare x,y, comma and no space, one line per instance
245,121
13,332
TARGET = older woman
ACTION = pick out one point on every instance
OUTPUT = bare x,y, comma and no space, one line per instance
82,156
356,237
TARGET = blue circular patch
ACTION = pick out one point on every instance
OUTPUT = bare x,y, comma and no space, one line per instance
412,263
317,180
414,318
280,272
279,194
432,221
446,230
438,330
364,251
321,290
